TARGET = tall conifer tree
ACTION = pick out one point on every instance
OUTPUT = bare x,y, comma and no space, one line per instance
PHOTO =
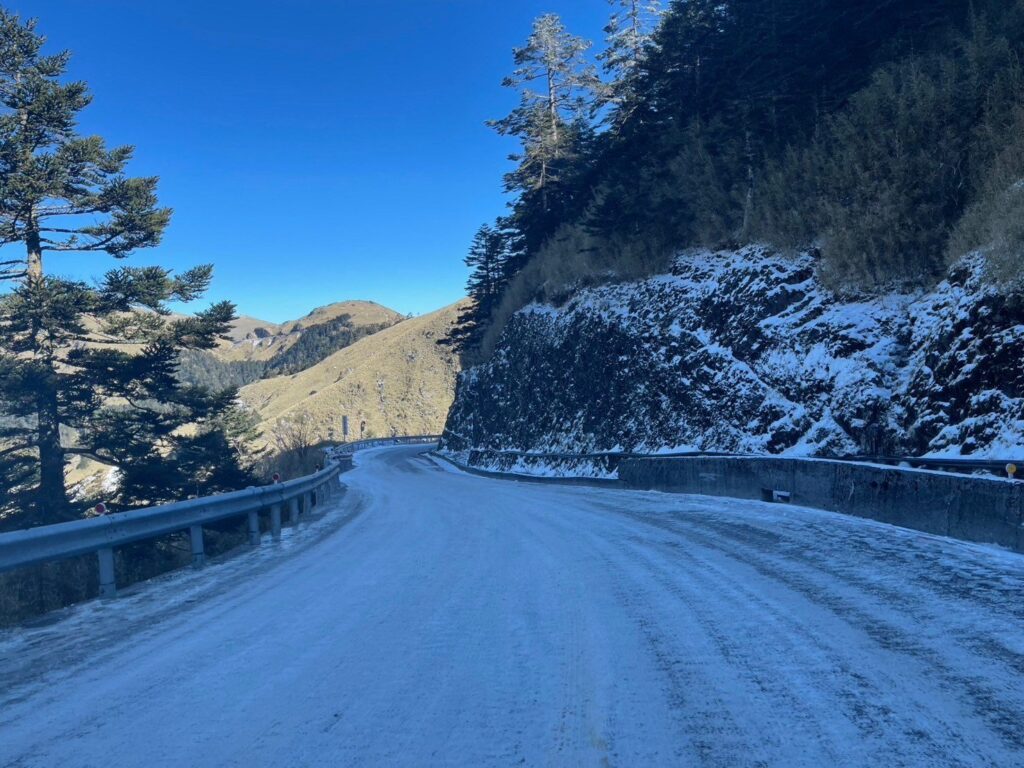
629,36
557,89
489,264
90,370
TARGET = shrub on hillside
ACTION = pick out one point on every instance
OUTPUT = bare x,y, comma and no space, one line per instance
995,220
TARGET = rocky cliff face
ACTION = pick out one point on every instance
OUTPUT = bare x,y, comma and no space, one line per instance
744,351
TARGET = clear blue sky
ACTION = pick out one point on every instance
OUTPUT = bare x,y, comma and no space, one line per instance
313,151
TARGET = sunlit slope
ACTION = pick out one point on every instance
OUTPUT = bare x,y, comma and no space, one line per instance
399,379
361,312
254,339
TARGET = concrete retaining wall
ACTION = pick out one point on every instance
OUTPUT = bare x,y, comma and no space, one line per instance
986,510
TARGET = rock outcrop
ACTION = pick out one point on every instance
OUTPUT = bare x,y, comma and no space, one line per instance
745,351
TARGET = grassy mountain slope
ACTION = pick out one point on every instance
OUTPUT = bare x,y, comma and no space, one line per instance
254,339
245,325
360,312
398,379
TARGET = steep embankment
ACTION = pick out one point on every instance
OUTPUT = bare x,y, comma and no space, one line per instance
746,351
399,379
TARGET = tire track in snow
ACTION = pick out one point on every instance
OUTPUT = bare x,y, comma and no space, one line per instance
818,682
470,621
802,569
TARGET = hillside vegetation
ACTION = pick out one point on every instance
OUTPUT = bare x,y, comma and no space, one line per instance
255,349
770,226
396,378
747,352
886,137
254,339
399,380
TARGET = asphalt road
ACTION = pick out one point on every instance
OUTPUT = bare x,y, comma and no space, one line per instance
436,618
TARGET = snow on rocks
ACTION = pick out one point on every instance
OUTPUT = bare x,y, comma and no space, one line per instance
746,351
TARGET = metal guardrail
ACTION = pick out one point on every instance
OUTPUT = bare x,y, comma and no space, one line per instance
103,534
964,464
379,442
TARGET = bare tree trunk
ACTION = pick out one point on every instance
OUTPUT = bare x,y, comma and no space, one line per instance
553,110
53,498
34,260
53,505
748,203
637,33
544,186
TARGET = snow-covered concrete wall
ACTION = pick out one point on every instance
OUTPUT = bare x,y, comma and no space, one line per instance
981,509
745,351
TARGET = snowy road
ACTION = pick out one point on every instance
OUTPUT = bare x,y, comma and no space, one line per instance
435,618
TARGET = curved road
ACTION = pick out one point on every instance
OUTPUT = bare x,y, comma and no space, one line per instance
437,618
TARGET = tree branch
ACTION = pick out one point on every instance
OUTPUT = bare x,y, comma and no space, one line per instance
91,453
16,448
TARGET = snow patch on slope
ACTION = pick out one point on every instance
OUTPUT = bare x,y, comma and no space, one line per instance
745,351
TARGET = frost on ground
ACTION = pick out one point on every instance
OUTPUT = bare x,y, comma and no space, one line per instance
437,618
745,351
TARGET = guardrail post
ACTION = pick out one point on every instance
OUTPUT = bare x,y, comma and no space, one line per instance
108,583
312,500
198,553
293,512
275,521
254,528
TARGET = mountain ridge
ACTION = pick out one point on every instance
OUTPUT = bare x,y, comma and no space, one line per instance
396,380
253,339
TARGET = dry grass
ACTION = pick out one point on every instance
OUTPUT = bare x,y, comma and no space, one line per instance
398,380
246,345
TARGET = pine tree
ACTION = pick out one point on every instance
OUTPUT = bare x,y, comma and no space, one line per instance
489,263
548,119
88,370
629,38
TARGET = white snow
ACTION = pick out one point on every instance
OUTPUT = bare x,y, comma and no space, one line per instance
438,618
812,373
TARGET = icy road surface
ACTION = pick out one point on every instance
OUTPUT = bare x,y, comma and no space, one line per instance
436,618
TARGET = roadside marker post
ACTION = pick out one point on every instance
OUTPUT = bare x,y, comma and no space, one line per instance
275,522
108,582
254,528
198,551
